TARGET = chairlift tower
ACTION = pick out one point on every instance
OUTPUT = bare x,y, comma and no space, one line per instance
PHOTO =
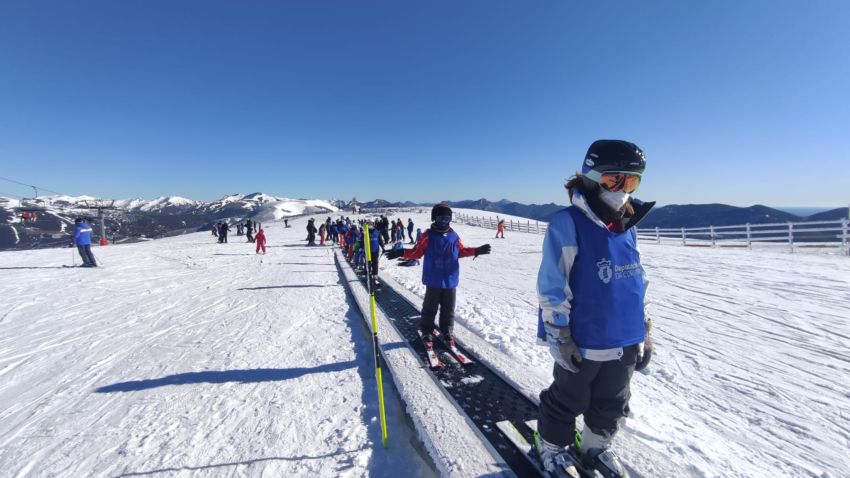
101,205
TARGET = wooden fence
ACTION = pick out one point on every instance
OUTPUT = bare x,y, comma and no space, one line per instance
534,227
790,235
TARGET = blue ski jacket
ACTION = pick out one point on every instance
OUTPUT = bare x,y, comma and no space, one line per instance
591,280
441,251
82,234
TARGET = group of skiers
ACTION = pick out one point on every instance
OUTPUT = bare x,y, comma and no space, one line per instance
591,288
337,230
222,228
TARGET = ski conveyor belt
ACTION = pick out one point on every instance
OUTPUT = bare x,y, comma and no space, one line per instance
483,395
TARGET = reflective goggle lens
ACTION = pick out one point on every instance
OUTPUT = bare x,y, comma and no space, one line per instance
619,182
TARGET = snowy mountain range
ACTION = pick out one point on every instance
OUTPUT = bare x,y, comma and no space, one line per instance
673,215
139,218
136,218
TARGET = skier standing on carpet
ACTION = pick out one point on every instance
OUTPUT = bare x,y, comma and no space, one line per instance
410,229
376,244
441,248
384,226
311,232
591,288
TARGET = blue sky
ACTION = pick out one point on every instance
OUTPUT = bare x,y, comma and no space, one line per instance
733,101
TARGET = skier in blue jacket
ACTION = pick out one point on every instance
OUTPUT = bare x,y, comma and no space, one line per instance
591,288
441,247
82,239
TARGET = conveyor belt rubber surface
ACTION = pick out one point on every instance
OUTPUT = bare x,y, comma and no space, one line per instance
482,394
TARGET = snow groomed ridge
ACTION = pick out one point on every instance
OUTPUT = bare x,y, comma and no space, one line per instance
482,395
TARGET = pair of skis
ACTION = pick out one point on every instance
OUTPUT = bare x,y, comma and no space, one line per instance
434,359
575,469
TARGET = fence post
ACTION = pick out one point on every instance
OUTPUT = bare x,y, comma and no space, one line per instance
684,240
749,244
657,236
845,237
791,236
537,227
528,225
711,231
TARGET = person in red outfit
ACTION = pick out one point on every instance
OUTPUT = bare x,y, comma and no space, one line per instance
260,239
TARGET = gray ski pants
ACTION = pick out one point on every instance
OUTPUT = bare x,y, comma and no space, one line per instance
599,391
86,254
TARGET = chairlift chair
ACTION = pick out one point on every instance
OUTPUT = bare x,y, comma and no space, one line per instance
28,209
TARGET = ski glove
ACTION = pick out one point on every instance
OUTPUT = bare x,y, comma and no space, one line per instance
394,253
645,348
481,250
562,348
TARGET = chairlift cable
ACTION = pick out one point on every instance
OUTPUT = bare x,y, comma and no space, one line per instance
31,186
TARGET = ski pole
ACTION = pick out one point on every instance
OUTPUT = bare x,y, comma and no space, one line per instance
378,359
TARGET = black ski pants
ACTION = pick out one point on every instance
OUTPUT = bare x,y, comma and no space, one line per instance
444,299
376,255
599,391
86,255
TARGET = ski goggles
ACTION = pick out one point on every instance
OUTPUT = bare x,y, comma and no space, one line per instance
615,182
442,220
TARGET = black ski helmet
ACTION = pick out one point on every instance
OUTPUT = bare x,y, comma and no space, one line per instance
441,209
612,155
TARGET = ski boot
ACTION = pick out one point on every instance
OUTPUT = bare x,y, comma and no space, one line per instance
557,462
449,340
596,454
428,340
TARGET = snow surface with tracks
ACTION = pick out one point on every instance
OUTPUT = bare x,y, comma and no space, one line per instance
183,357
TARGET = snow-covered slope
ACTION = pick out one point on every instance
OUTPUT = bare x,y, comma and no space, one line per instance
190,358
183,357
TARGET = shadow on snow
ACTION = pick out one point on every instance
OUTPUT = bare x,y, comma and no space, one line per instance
246,462
294,286
224,376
